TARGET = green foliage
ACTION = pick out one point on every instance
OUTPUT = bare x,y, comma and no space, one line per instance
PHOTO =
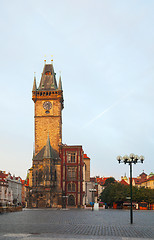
109,181
117,192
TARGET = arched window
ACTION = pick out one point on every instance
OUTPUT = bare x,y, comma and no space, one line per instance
55,175
73,187
69,187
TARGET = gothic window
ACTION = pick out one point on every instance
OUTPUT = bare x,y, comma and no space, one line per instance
71,173
51,172
55,175
71,187
36,177
46,173
85,167
40,176
71,157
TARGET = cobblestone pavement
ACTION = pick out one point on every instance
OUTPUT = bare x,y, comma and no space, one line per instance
37,224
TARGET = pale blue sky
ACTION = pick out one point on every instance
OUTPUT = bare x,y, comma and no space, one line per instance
105,50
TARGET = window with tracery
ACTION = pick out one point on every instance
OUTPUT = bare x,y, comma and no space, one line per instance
71,173
71,157
71,187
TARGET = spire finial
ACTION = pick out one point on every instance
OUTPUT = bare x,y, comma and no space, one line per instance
34,84
60,82
51,59
44,59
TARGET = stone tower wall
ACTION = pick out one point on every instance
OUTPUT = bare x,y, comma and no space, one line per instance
48,123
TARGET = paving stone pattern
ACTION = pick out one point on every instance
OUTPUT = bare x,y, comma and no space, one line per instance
76,224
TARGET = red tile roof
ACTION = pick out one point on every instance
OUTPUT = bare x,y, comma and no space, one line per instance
85,156
123,182
143,175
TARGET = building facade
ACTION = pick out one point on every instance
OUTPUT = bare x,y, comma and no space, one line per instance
72,175
56,175
10,190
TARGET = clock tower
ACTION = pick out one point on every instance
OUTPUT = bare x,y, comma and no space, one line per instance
56,175
45,174
48,101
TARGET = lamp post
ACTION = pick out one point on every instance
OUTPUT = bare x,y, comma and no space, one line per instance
130,160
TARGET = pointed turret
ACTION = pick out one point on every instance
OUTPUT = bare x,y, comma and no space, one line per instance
60,83
48,149
34,84
48,79
33,150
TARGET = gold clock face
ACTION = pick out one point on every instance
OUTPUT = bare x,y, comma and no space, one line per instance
47,105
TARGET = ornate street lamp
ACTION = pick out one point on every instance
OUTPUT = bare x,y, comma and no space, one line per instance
130,159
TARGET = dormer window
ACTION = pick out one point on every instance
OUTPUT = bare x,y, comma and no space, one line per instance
48,73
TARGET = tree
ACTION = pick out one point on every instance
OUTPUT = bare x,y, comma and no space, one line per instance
118,192
109,181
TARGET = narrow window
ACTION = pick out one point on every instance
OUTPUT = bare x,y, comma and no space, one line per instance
73,187
69,187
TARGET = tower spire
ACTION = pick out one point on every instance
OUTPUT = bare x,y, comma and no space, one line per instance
47,152
34,84
60,83
48,79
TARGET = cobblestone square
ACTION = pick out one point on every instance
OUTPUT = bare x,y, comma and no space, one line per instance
71,224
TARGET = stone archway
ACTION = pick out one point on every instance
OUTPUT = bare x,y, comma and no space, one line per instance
71,200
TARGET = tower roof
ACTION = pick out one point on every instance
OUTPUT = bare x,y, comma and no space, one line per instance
48,79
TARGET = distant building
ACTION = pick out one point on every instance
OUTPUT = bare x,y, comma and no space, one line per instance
99,185
10,189
87,183
124,182
4,194
148,183
143,180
